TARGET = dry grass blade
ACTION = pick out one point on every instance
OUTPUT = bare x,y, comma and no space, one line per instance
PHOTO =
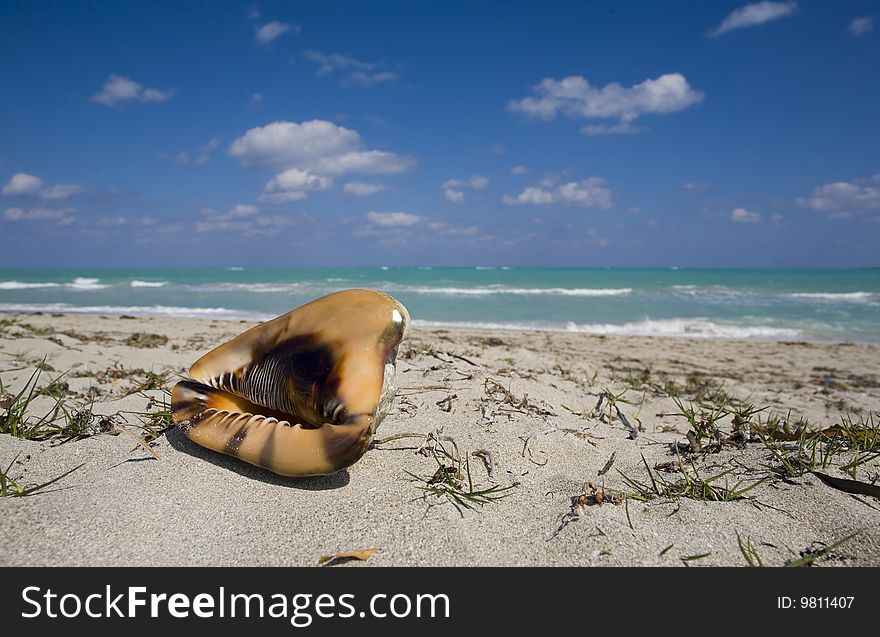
9,487
809,555
457,486
749,551
849,486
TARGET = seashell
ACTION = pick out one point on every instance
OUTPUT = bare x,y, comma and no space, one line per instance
302,394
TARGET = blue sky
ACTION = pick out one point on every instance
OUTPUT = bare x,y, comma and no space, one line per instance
707,133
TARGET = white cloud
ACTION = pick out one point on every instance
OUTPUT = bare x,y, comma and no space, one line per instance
60,191
273,30
118,88
621,128
358,72
754,14
211,145
477,182
330,62
843,199
281,198
363,189
530,195
309,155
64,216
455,196
362,78
243,210
393,219
518,170
296,179
575,97
741,215
586,193
22,184
243,219
861,26
316,146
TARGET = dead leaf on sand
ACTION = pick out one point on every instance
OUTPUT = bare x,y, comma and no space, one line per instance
345,556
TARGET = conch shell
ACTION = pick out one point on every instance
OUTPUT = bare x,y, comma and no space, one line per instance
302,394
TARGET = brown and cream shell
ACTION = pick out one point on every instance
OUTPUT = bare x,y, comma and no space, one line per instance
302,394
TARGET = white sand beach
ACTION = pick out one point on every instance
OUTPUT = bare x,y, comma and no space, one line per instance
527,398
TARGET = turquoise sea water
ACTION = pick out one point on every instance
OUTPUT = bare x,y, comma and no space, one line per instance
839,305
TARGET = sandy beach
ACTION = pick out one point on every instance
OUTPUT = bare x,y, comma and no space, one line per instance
528,398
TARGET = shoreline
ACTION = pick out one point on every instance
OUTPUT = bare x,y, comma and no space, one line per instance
526,397
428,325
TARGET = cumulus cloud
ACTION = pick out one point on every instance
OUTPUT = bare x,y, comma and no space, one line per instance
741,215
22,184
267,33
754,14
518,170
861,26
453,187
310,154
575,97
25,185
363,189
393,219
118,88
296,179
586,193
843,199
356,71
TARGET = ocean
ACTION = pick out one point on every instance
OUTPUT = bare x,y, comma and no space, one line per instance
775,304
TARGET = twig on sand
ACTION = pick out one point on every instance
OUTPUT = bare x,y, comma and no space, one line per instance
462,358
486,456
633,431
608,464
580,433
430,445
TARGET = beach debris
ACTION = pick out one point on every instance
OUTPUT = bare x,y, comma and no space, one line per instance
302,394
633,431
433,443
498,392
144,339
590,495
361,555
455,484
849,486
12,487
486,456
812,553
446,403
607,466
581,434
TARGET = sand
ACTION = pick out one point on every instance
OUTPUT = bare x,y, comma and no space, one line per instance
191,506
